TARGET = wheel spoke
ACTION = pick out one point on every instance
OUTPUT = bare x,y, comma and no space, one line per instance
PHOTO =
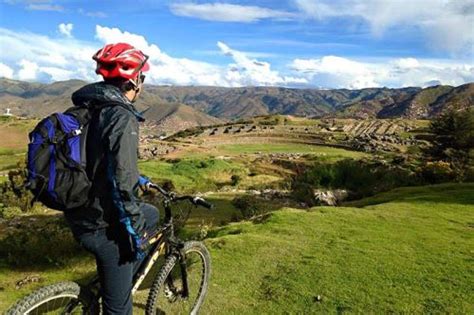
59,298
168,296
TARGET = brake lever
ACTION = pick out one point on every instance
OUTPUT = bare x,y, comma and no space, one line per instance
172,195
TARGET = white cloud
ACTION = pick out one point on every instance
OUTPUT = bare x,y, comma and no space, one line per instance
164,69
44,7
28,71
37,57
94,14
447,24
250,54
66,29
245,71
58,74
226,12
338,72
5,71
407,63
70,55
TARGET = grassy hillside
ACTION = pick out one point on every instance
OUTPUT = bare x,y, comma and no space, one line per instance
405,251
409,253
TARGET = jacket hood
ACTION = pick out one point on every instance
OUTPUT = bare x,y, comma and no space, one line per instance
96,95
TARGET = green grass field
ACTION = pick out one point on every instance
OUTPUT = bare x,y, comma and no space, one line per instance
13,142
9,158
409,250
210,174
193,174
406,251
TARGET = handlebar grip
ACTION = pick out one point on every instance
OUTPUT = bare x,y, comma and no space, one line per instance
201,202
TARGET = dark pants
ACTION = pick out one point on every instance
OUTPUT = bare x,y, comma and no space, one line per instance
111,249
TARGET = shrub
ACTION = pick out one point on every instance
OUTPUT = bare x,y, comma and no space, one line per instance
437,172
235,180
195,131
167,184
361,178
13,192
9,212
204,229
303,192
202,164
249,206
469,174
39,242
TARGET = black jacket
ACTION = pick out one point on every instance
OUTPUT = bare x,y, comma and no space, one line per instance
111,155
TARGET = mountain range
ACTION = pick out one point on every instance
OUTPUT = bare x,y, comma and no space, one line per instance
191,106
411,102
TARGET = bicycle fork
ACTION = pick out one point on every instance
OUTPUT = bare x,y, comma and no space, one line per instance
171,292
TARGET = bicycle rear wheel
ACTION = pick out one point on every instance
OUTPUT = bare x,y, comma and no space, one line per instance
59,298
166,293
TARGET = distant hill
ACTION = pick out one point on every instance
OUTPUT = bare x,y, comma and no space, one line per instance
412,102
173,117
38,100
194,105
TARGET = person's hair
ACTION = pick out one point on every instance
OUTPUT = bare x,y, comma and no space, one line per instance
122,84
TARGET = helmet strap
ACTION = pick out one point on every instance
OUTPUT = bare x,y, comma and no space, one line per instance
136,86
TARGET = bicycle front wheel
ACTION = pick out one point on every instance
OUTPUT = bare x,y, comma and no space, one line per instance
59,298
167,294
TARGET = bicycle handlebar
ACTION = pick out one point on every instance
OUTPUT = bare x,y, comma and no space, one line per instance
201,202
161,190
198,201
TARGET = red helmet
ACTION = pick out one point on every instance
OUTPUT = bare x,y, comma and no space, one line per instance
120,60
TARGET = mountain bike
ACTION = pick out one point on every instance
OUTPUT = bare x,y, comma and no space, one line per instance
179,287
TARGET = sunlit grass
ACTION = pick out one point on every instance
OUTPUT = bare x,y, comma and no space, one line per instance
403,255
405,251
267,148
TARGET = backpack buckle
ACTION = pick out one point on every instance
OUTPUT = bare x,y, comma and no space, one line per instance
76,132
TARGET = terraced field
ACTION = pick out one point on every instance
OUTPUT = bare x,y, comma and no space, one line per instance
405,251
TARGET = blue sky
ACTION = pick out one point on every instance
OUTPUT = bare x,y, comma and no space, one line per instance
296,43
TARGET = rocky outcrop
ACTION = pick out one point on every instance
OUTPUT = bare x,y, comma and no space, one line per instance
147,153
375,143
330,197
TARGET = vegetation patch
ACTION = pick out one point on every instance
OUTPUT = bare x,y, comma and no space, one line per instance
250,206
42,241
361,177
191,175
268,148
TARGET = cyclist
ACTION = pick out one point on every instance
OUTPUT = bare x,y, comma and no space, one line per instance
115,220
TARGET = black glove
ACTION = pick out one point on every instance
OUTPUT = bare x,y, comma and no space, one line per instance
138,223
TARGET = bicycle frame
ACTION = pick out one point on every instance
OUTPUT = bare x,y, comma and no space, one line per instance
151,258
163,241
166,243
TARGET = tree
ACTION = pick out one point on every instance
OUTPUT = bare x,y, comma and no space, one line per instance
453,140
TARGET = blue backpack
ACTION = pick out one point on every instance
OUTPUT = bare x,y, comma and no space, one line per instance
57,160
